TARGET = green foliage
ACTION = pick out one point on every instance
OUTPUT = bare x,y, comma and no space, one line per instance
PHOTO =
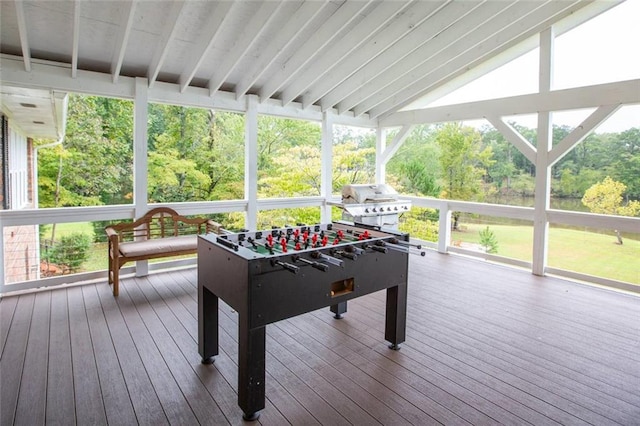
463,162
488,240
99,235
71,251
606,198
420,223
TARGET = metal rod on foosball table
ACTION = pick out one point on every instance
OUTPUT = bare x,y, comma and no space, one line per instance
334,261
405,249
317,265
288,266
406,243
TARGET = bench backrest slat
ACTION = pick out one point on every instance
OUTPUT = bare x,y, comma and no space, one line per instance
162,222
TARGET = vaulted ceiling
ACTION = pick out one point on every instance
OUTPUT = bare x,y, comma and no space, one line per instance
357,57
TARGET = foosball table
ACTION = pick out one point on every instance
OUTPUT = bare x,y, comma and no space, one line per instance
271,275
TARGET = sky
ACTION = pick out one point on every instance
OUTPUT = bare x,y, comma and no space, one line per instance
602,50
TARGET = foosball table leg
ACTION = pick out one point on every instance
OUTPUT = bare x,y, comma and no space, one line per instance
207,325
251,367
396,316
339,309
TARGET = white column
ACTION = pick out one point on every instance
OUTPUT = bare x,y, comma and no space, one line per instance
251,162
444,228
543,167
2,260
326,172
381,144
140,160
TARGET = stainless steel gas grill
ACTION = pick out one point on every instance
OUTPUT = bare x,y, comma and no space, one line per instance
374,205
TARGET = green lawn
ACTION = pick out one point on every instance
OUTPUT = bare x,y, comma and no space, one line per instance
584,252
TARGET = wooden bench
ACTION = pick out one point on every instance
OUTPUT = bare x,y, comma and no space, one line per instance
160,233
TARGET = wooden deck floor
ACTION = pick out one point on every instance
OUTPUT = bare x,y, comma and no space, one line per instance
485,345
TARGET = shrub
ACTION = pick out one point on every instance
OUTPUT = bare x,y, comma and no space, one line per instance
71,251
488,240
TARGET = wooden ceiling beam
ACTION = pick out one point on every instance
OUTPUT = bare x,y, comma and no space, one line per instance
163,46
76,38
471,30
123,37
248,37
325,35
23,33
313,71
433,76
405,22
618,93
348,93
297,25
206,41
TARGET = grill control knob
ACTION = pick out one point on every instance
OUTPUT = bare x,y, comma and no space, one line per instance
366,210
373,210
395,209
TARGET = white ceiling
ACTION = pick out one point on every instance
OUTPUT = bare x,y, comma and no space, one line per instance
357,57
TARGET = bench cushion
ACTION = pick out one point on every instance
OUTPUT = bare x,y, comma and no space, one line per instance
158,246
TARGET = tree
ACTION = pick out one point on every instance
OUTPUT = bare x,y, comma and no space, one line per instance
606,198
463,163
414,169
488,240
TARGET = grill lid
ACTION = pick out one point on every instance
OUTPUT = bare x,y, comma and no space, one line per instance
367,193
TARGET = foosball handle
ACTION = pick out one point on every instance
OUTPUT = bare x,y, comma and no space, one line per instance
378,249
320,266
289,267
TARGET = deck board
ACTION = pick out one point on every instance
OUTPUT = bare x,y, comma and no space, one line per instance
61,404
12,364
88,395
485,345
33,389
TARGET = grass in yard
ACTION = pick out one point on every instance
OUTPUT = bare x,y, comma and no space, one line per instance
574,250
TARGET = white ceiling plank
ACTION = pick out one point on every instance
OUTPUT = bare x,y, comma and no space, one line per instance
76,38
419,12
205,41
485,20
22,30
323,37
404,92
315,70
349,93
622,92
163,47
583,130
298,23
259,21
123,37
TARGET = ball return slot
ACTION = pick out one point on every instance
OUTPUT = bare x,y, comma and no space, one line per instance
342,287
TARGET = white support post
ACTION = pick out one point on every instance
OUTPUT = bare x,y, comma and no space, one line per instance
251,162
381,144
140,160
326,172
543,165
2,260
444,228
